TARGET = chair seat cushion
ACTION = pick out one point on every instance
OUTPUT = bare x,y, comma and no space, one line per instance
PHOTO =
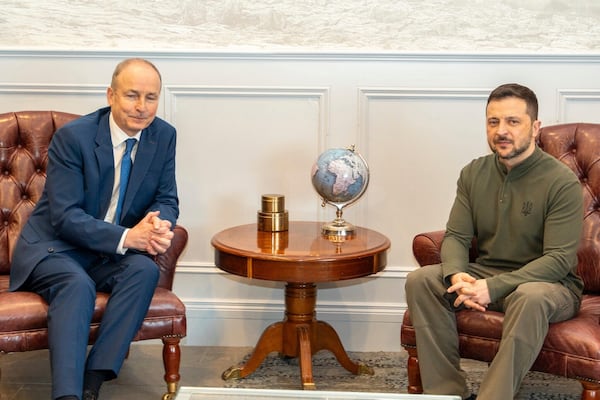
23,319
21,311
571,348
580,335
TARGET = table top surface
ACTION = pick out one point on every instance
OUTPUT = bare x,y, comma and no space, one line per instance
199,393
303,240
299,254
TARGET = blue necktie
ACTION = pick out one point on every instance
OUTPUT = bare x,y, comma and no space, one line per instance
125,170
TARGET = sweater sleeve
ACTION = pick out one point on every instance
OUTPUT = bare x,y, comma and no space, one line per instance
459,231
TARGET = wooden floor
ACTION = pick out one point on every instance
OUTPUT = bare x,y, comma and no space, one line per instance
26,376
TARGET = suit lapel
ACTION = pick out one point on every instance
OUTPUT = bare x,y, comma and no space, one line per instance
106,164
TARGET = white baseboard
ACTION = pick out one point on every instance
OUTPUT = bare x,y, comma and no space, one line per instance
361,327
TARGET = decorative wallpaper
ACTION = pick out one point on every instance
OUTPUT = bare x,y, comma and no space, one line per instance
531,26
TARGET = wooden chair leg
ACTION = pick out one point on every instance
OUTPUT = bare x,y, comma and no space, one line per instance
414,374
171,361
591,390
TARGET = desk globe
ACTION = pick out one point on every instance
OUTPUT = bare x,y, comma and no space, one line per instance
340,176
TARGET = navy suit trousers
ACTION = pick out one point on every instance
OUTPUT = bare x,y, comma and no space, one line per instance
68,282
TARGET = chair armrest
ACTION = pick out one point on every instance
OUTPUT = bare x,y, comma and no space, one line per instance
426,247
167,262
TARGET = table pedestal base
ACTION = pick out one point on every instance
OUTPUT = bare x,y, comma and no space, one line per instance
301,335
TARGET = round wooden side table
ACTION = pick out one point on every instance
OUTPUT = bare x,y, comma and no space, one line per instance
301,257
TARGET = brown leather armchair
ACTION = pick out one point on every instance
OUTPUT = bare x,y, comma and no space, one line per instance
571,348
24,139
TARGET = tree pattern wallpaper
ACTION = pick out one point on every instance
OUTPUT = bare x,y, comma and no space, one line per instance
513,26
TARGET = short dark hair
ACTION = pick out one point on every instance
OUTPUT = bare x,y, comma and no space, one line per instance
121,66
520,92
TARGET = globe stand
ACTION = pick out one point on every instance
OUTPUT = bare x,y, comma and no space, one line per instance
338,229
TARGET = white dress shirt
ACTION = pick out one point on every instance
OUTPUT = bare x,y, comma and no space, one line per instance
118,138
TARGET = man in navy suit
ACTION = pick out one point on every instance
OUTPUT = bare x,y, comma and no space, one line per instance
73,245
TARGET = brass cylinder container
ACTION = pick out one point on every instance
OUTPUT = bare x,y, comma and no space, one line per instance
272,203
272,217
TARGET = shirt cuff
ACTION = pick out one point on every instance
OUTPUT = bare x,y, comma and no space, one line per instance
120,249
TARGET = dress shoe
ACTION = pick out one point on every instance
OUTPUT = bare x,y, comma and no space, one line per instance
89,395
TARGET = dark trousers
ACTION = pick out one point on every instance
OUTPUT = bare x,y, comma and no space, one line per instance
528,311
68,282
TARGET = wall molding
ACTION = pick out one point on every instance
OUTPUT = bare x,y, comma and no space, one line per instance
267,309
320,94
574,95
361,327
46,88
367,94
307,55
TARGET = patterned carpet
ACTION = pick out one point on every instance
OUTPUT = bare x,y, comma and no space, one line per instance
390,376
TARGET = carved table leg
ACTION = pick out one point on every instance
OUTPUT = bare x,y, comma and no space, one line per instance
328,339
303,328
269,341
298,335
305,357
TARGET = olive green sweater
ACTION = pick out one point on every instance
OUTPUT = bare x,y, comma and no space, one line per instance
527,222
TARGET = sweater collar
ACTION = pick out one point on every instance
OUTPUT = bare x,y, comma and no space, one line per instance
521,168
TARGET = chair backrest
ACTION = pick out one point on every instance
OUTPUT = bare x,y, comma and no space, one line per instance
578,146
24,140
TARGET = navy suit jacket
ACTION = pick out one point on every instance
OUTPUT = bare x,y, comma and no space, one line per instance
80,177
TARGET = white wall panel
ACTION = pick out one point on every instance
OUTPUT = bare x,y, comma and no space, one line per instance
235,144
417,139
77,99
579,105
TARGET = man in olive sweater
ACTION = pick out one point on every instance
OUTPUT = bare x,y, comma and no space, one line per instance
525,208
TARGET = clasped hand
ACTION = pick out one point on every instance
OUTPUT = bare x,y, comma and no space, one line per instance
151,234
471,292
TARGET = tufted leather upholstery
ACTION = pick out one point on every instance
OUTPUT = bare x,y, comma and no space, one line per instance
571,348
24,140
